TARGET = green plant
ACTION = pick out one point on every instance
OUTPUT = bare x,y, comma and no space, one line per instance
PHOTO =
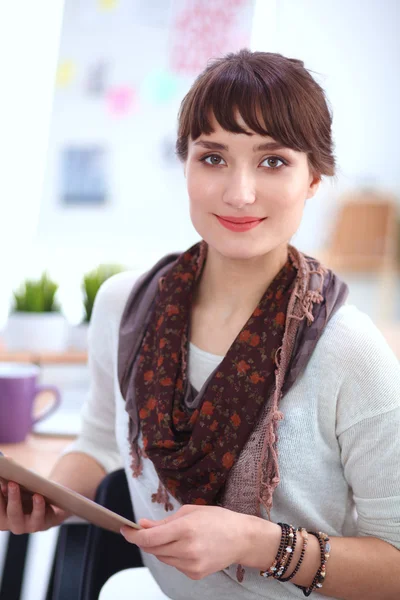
92,282
36,296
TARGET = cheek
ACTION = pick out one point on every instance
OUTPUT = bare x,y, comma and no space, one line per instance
286,196
202,190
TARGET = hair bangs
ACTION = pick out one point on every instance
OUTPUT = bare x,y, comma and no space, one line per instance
275,96
224,97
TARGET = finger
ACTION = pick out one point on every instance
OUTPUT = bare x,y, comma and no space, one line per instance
181,566
153,536
174,550
183,511
37,518
54,515
15,514
148,523
170,560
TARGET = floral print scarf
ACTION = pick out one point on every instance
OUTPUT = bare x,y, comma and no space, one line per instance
195,437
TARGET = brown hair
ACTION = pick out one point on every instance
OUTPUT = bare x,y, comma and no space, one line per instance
275,96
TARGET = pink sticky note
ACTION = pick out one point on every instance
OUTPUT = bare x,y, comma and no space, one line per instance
120,100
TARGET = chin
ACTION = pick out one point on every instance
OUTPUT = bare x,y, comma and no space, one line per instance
237,246
240,249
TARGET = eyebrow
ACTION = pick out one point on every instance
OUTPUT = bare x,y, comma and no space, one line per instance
259,148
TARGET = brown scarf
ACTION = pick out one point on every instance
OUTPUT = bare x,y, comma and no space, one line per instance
195,438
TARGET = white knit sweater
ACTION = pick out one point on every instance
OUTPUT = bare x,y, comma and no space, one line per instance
339,443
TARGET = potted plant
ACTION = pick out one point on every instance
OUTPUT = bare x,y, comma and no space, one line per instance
35,322
90,286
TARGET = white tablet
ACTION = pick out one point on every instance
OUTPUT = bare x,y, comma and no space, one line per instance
61,496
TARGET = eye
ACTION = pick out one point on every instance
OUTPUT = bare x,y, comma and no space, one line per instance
274,159
212,159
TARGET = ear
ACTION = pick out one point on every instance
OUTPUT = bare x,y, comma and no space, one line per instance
313,186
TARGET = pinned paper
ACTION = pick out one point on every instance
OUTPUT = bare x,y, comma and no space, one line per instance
97,78
84,175
65,73
120,100
159,86
107,4
203,30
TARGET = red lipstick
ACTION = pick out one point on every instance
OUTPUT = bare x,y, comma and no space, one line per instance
239,223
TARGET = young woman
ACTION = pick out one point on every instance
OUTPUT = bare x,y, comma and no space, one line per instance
255,412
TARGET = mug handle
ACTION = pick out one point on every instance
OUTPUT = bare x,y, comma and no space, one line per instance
52,407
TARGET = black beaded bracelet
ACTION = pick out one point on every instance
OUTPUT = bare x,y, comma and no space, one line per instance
287,559
285,553
283,544
305,542
319,578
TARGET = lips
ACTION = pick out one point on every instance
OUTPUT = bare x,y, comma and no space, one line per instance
242,219
239,224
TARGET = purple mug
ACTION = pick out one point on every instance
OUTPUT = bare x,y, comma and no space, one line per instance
18,391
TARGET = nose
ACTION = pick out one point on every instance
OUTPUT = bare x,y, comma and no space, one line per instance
240,189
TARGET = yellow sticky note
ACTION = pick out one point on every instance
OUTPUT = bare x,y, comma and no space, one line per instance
107,4
65,73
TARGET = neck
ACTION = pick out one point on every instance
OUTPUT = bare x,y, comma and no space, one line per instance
232,285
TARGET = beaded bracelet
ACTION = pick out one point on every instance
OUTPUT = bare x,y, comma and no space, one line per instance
287,559
285,553
304,534
319,578
283,544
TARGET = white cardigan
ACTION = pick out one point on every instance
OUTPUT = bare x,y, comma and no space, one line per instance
339,443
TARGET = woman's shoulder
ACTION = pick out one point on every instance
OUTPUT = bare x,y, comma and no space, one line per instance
367,370
114,292
108,308
352,333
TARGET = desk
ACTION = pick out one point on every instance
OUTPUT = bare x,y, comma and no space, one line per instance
38,452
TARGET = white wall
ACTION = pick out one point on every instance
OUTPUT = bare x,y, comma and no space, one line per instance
353,47
29,40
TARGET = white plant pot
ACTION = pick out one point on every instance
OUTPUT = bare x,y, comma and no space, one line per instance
78,337
36,332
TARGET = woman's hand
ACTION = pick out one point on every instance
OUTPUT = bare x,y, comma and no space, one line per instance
22,512
200,540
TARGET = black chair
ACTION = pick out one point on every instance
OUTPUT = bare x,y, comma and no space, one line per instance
87,557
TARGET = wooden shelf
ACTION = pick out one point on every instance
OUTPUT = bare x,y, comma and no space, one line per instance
44,358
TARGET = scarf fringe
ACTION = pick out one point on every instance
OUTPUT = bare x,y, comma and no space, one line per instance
162,497
136,454
300,307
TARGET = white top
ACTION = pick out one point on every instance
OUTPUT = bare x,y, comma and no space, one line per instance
339,450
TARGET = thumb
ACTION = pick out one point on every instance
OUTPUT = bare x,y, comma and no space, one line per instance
148,523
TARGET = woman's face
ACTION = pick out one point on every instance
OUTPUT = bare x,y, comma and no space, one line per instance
246,177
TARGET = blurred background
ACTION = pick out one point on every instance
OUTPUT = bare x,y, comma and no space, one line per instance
96,179
90,183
